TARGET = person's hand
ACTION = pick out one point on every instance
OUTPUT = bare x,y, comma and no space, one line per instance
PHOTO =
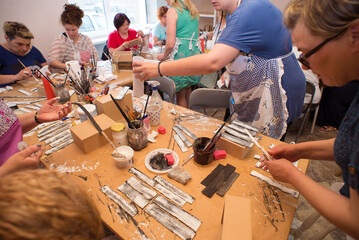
50,112
27,159
125,45
23,74
145,70
287,151
280,169
160,57
142,35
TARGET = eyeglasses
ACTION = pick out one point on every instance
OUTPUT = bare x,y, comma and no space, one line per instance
303,59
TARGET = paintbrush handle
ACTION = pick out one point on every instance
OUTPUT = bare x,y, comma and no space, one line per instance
266,154
122,112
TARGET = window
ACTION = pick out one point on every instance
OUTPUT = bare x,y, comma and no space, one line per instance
99,15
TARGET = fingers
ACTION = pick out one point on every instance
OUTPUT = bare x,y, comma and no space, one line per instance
27,152
52,101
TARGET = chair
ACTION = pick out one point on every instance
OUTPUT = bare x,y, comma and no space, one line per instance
166,86
309,89
209,98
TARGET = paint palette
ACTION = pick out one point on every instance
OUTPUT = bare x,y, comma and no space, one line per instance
164,151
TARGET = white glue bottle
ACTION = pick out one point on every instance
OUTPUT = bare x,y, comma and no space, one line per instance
138,84
155,98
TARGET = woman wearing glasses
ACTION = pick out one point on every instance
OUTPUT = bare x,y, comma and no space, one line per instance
330,46
266,81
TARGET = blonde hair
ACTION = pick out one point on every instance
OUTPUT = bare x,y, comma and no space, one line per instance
185,4
43,204
161,12
13,29
324,18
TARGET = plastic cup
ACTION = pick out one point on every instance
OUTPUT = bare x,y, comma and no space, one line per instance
126,159
154,112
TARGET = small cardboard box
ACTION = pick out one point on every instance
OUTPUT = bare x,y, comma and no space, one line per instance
123,59
87,137
236,218
105,105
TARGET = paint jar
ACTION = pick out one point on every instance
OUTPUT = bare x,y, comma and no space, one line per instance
119,134
137,136
123,156
201,157
63,93
91,108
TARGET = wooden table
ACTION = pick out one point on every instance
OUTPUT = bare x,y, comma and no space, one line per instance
98,168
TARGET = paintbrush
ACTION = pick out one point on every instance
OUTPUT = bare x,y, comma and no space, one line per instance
107,56
122,112
31,71
48,79
266,154
148,97
213,142
210,142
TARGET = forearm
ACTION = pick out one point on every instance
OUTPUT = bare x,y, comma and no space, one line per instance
4,79
339,210
317,150
27,121
57,64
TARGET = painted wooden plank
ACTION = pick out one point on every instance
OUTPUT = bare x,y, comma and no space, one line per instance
142,176
186,131
147,192
56,132
227,185
169,222
237,140
170,195
182,136
275,184
216,183
61,140
174,189
58,136
53,124
240,129
62,145
188,219
52,129
133,195
128,207
180,143
243,125
212,175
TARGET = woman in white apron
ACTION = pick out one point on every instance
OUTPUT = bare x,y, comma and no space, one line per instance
266,80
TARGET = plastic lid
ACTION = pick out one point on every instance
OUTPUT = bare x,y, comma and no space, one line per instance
118,127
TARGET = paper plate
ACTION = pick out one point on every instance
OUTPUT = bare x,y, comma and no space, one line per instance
164,151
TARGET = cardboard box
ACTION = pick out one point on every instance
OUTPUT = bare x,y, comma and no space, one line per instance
123,60
236,218
233,148
105,105
87,137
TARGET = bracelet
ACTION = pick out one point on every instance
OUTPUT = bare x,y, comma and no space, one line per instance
159,71
37,118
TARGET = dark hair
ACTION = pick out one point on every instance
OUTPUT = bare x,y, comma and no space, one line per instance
161,12
13,29
72,14
119,19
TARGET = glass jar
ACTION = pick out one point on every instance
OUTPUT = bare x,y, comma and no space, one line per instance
63,93
119,134
137,136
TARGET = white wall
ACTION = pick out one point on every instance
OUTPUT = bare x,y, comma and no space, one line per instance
42,17
281,4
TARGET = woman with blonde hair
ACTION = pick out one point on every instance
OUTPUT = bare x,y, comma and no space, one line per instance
182,42
42,204
327,33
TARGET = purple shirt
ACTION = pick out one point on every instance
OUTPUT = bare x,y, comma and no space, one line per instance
10,132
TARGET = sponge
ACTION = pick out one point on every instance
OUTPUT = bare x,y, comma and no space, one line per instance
219,154
170,160
161,130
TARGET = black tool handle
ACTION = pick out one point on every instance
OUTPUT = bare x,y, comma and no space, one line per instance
89,116
122,112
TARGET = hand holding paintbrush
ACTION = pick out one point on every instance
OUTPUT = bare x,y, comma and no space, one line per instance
266,154
26,71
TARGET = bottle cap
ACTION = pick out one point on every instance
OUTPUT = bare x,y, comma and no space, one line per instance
118,127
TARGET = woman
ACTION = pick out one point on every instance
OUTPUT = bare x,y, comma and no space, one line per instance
18,47
71,45
327,32
119,39
159,30
42,204
182,42
12,128
267,83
